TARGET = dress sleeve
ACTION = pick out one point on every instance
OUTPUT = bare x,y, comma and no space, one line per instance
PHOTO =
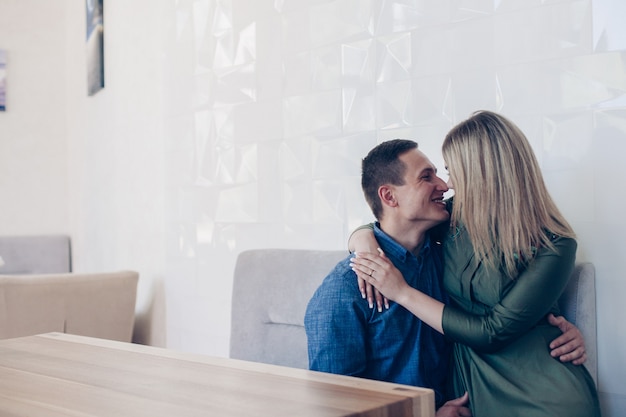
336,328
535,292
365,226
369,226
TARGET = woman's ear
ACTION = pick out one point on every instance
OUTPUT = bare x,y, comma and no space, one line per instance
387,196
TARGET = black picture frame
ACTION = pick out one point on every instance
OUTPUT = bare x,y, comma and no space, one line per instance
95,46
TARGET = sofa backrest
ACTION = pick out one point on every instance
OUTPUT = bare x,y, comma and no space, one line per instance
97,304
272,288
45,254
578,305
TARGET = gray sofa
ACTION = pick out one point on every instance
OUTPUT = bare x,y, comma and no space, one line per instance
272,287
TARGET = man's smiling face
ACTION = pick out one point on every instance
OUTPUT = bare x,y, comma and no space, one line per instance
420,198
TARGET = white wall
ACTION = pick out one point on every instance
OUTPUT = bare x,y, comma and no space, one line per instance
235,124
117,154
33,143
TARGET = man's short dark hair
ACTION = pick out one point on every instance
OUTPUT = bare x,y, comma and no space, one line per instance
383,166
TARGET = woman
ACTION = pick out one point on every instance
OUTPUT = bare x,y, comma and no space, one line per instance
508,256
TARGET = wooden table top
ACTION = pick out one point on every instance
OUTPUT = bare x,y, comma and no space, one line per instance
58,374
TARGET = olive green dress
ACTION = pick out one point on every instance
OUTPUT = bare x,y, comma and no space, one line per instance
501,355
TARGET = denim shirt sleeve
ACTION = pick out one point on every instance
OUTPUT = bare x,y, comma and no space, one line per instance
336,325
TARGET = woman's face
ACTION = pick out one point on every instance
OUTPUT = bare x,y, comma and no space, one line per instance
449,183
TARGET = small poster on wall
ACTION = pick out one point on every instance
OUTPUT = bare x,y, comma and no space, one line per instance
3,80
95,46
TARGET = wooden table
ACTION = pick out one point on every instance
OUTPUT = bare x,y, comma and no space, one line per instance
57,374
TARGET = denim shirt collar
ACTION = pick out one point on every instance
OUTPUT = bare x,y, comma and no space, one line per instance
394,249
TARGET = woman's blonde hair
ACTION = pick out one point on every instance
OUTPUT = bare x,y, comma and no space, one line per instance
500,195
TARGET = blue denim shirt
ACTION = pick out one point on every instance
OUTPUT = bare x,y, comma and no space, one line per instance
347,337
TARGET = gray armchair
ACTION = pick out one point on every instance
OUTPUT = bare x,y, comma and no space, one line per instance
272,287
40,294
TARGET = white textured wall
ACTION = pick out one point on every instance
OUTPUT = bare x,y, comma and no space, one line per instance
235,124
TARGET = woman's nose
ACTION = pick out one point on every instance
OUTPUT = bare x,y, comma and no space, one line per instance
449,184
443,185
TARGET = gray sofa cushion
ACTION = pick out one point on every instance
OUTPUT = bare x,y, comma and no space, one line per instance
578,305
35,254
271,290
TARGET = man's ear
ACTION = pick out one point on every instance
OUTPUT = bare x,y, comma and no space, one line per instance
387,195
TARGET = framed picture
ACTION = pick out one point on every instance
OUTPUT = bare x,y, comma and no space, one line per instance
3,80
95,46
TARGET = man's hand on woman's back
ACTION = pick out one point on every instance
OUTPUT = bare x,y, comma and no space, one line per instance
570,346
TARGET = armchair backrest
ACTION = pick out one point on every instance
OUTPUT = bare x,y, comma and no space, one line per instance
91,304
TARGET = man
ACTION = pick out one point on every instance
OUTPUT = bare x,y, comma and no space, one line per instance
345,335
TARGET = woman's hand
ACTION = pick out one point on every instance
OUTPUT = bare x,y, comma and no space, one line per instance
363,240
370,293
386,278
378,271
